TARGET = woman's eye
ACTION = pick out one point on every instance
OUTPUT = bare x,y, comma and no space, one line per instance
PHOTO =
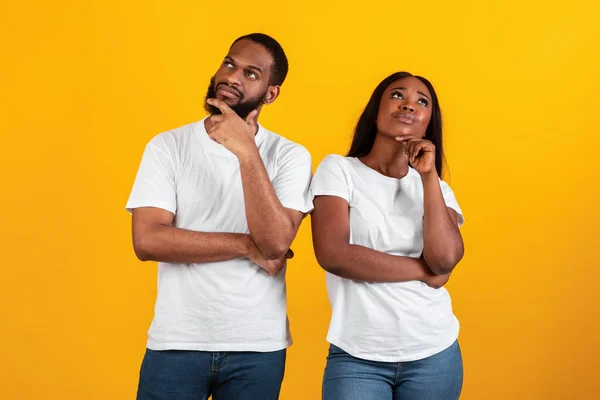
423,102
396,95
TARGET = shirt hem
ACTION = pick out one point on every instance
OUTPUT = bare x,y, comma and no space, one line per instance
329,193
261,348
131,205
298,207
461,218
415,357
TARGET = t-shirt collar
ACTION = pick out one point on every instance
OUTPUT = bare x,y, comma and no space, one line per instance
217,148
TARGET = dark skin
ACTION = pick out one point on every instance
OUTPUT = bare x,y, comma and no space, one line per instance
243,75
402,120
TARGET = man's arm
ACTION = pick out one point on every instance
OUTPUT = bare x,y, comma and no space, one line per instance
156,239
272,226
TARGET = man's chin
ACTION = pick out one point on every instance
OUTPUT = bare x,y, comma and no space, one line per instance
231,102
212,110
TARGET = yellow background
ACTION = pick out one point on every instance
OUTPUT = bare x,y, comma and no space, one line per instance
84,86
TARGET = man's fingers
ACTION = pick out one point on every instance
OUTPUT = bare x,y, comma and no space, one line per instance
215,119
252,118
221,105
214,138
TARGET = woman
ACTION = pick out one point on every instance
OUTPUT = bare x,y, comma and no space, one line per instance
385,228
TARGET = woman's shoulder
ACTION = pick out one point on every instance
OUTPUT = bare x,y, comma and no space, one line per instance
332,160
339,165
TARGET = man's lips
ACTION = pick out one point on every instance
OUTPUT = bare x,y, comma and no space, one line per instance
227,92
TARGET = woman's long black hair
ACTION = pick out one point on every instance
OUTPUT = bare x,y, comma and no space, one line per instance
366,128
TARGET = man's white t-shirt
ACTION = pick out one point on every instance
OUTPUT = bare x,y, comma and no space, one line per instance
390,322
220,306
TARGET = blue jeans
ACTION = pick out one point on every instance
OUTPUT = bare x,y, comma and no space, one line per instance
187,375
438,377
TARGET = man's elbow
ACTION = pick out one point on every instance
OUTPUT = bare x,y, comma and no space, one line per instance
274,250
275,241
142,248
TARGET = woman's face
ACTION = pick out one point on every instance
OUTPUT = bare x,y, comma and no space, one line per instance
404,109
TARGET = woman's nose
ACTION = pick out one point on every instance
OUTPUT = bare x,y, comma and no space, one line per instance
407,107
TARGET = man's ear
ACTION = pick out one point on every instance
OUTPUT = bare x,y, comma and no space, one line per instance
272,94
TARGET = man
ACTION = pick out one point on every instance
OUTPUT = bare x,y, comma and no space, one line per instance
218,203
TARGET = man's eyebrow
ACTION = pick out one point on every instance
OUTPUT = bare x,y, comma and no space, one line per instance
254,67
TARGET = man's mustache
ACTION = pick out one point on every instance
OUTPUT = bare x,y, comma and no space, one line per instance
231,87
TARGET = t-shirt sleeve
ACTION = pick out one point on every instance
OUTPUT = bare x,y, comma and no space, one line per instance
451,202
154,184
292,181
330,179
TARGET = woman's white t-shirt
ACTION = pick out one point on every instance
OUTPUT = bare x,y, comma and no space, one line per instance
391,322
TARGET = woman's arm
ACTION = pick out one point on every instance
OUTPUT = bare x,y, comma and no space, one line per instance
335,254
443,246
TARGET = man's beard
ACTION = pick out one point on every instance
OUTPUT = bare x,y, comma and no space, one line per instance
242,108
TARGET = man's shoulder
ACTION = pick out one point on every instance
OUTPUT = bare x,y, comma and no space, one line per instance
180,133
283,146
174,138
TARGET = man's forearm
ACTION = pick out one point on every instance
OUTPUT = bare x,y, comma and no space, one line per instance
169,244
269,223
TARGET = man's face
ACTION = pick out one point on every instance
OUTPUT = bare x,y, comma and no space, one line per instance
242,80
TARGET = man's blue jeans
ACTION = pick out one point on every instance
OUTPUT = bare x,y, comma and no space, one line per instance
187,375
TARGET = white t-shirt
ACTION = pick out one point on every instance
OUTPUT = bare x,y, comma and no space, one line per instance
391,322
220,306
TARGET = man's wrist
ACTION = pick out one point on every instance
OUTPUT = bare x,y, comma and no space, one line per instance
247,155
247,245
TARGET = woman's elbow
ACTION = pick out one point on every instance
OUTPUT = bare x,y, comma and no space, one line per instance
326,259
441,268
445,263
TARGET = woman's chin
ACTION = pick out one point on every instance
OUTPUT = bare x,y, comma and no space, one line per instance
394,135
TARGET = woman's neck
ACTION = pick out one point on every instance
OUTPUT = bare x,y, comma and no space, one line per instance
388,157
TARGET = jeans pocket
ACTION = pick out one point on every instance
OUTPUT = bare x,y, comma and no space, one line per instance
334,350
